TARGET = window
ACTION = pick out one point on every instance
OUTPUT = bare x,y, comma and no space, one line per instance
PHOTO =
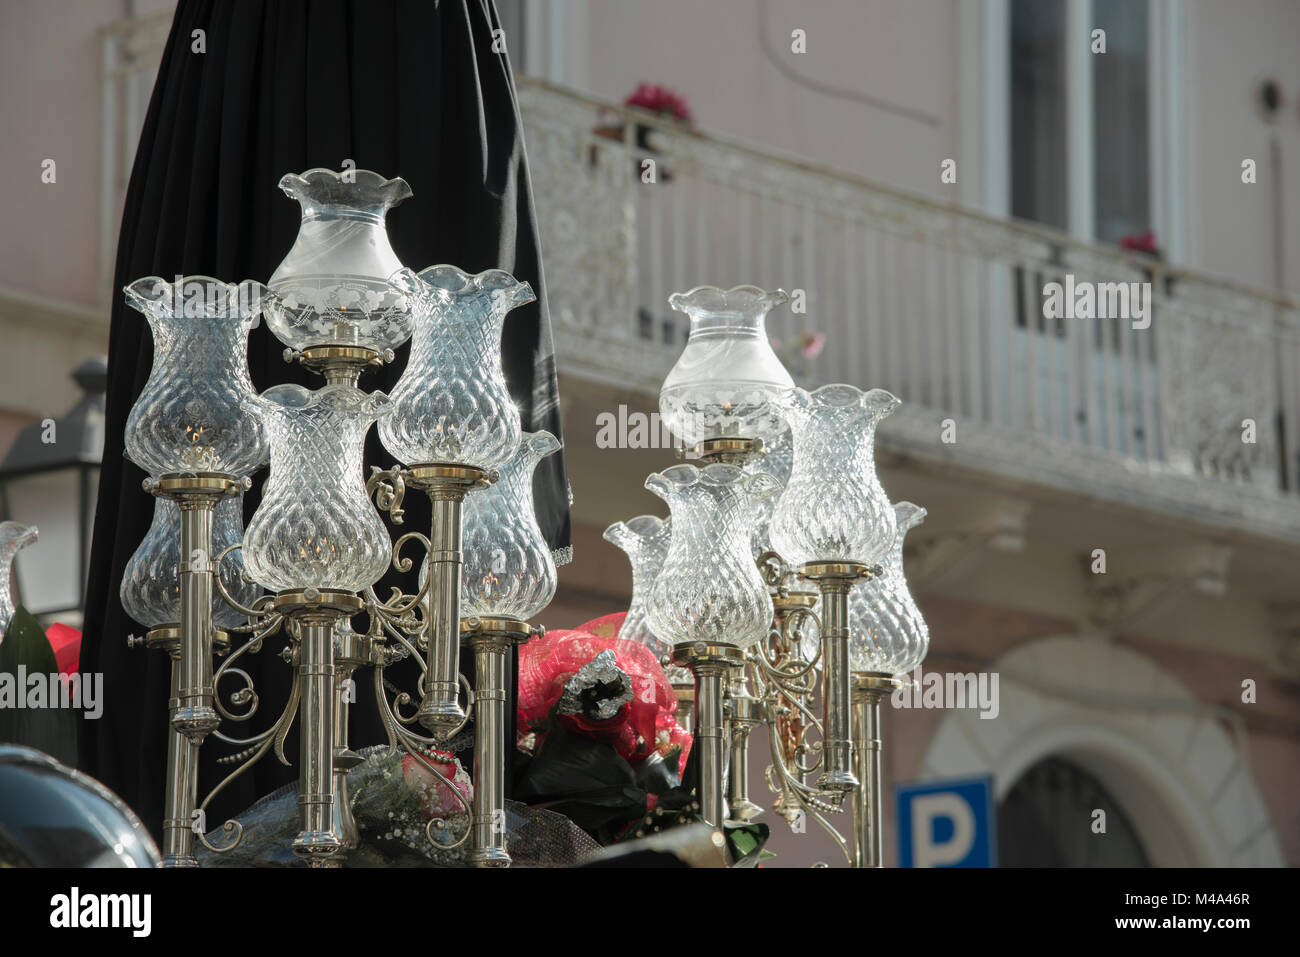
1090,175
1046,820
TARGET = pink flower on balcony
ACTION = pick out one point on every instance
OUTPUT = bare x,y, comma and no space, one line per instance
1141,242
659,99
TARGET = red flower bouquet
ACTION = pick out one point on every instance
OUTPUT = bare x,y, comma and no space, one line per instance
601,687
659,99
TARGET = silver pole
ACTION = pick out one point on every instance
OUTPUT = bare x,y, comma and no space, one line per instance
711,663
194,714
744,716
440,709
868,690
182,781
318,841
837,744
491,640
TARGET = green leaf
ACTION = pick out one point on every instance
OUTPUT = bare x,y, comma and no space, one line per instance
51,729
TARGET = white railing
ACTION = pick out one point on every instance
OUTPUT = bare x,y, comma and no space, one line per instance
937,303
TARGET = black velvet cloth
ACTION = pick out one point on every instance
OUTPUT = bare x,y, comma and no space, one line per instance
407,88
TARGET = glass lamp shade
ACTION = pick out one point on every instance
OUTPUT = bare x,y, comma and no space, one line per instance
451,404
776,460
886,631
315,526
645,541
191,415
151,583
833,508
13,536
727,378
709,588
508,569
332,288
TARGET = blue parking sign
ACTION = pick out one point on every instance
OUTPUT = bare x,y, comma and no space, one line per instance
947,823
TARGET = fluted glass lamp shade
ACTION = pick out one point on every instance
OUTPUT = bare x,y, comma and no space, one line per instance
191,414
709,588
332,288
451,405
833,508
315,526
151,583
645,541
507,569
886,631
776,460
13,536
725,380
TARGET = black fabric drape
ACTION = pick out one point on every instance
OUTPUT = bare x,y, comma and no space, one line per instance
407,88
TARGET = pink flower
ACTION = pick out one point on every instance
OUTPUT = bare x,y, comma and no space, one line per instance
1141,242
660,99
812,344
435,798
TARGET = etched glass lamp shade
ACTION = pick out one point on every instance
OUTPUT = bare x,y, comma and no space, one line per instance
886,631
315,526
451,405
191,415
151,584
833,508
709,588
726,380
645,541
777,460
508,569
13,536
332,288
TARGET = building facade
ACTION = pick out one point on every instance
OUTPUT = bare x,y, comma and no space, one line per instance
1113,528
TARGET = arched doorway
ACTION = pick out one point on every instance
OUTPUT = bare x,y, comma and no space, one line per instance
1048,818
1167,760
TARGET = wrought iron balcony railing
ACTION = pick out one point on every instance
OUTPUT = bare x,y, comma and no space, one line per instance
1191,407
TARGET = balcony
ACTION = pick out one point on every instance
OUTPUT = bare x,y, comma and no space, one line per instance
1194,416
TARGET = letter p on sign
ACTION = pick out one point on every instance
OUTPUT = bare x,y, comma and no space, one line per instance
946,823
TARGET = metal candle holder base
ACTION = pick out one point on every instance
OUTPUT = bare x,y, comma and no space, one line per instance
744,713
491,639
712,663
316,611
182,788
340,364
446,485
868,690
196,495
730,451
834,579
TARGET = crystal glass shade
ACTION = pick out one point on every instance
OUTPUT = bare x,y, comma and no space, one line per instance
727,378
645,541
709,588
833,508
776,460
886,631
315,526
13,536
332,288
451,405
191,415
151,583
508,569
